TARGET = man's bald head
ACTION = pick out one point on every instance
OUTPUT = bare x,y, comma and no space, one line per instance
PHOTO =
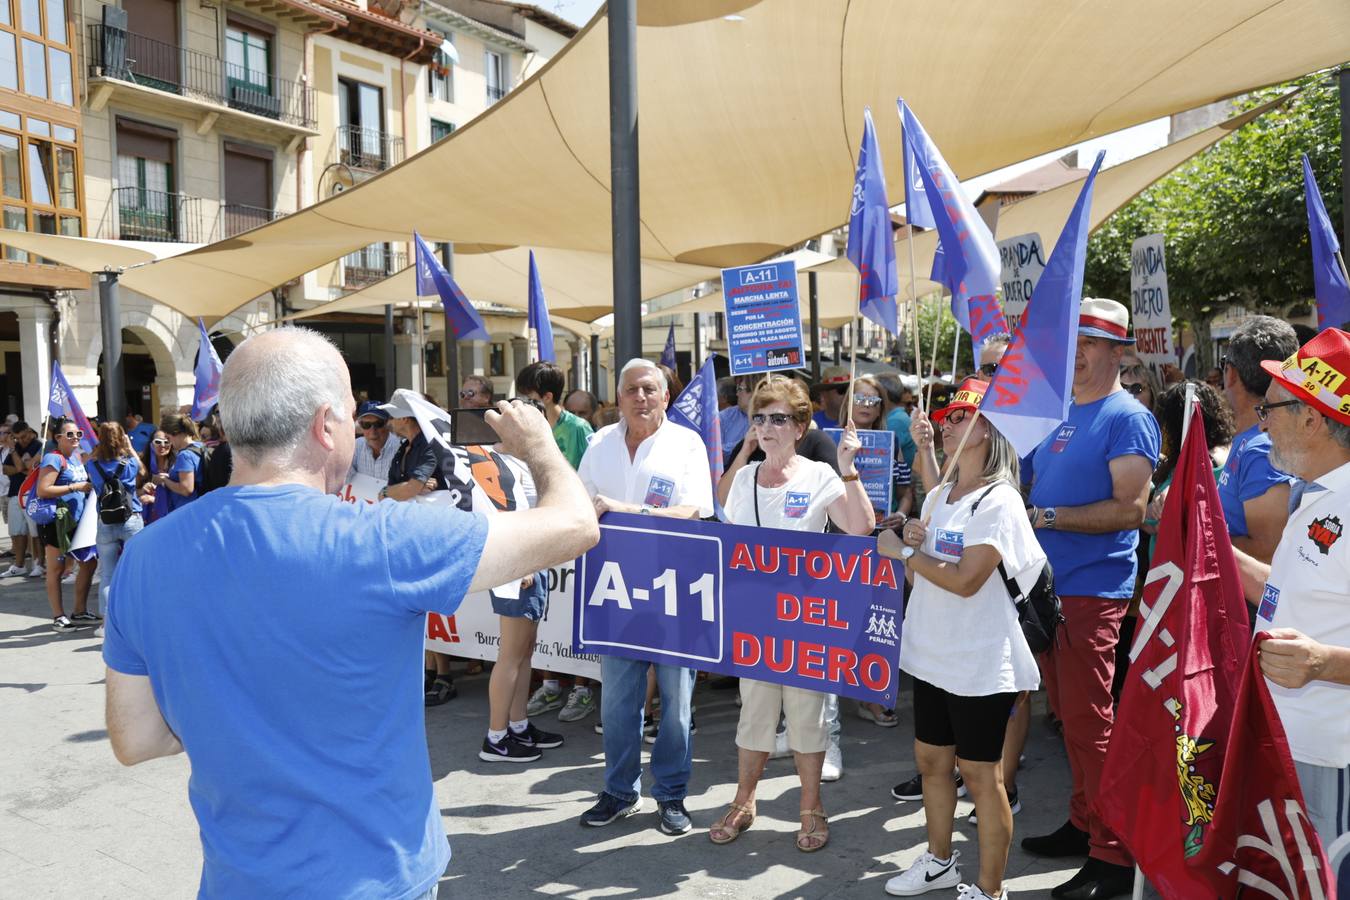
272,386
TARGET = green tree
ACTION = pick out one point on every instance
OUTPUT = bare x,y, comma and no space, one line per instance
1233,219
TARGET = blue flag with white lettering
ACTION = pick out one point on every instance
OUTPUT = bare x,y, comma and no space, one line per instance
61,402
668,352
871,246
967,260
206,391
538,315
1029,395
696,408
1329,282
433,280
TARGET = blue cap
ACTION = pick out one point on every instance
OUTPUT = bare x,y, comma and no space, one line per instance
372,408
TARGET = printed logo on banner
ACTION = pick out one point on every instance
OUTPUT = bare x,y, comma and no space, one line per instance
795,505
1062,438
949,543
743,360
1325,532
1270,598
881,629
659,492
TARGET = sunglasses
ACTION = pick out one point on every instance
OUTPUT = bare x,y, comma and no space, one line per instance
744,389
1263,409
1136,389
368,424
73,434
777,419
160,442
465,395
868,402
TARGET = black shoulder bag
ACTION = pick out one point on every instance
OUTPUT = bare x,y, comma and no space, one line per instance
1038,610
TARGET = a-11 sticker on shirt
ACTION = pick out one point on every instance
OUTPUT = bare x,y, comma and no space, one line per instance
659,492
1270,598
1062,438
949,543
795,505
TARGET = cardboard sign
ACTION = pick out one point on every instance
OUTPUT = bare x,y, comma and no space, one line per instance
764,322
1023,260
1150,309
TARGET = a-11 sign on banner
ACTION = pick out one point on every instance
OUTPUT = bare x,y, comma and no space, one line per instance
764,322
874,462
814,611
1023,260
1151,311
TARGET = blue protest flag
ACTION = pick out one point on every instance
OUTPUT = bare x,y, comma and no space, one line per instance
871,246
1329,281
696,408
206,392
668,352
1029,395
61,402
967,261
918,211
538,315
433,280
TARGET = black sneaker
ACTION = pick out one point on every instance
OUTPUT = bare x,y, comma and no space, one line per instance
674,818
1014,803
533,738
508,750
599,726
913,789
650,728
63,624
441,691
608,808
86,618
1067,840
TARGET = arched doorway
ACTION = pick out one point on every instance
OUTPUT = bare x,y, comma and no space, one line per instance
141,372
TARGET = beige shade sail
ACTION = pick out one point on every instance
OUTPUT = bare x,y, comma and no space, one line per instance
90,255
750,123
1045,213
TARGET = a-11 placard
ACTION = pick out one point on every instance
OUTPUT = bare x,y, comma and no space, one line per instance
815,611
764,322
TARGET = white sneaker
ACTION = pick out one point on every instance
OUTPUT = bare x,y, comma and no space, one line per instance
780,747
925,875
98,632
12,572
975,892
833,766
37,571
69,579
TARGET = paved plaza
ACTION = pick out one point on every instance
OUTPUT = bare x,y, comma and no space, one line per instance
76,824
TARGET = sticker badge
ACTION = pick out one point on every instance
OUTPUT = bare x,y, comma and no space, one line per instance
1270,598
1324,532
1062,438
949,543
659,492
795,504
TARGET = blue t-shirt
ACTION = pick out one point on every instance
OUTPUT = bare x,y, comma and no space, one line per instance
68,471
822,420
1247,475
735,424
293,677
898,422
1071,468
140,436
189,459
124,470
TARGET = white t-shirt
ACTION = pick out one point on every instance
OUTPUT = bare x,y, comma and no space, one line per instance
1309,590
802,504
973,646
669,469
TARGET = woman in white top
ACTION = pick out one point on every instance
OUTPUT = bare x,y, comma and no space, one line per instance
792,492
962,643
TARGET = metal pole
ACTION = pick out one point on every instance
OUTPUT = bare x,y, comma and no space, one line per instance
1345,155
814,296
625,223
696,355
450,353
390,364
114,394
595,365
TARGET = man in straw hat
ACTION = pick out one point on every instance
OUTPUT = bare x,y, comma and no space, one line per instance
1090,482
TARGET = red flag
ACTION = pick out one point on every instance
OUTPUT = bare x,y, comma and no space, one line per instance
1261,841
1170,736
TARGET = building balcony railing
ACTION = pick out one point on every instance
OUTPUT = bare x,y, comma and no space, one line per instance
369,265
130,57
495,92
236,218
368,149
145,215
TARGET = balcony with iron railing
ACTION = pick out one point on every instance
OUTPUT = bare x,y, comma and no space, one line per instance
369,265
132,58
236,218
146,215
368,149
495,92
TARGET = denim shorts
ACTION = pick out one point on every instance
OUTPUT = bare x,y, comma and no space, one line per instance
532,603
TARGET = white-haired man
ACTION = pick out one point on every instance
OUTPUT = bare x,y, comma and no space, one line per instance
645,464
297,702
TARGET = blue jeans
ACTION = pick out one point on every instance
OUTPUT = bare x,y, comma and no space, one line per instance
621,701
110,539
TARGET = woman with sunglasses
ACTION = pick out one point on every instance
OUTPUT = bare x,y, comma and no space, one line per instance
114,459
960,605
65,481
1142,384
788,491
159,456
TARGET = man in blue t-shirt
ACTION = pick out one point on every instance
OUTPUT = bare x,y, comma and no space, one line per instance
138,431
291,675
1090,482
1254,494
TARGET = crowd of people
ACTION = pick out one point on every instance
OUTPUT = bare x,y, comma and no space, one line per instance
974,525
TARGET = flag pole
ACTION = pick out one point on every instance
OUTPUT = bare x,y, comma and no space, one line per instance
950,469
956,351
1341,259
853,356
1138,892
914,298
937,335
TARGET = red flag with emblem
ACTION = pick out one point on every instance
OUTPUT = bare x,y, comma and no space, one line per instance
1171,732
1261,842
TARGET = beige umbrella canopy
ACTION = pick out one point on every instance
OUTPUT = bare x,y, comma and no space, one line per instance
90,255
751,122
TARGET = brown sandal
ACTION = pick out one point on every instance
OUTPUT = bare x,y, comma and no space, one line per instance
724,831
806,838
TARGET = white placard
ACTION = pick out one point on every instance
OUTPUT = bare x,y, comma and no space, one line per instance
361,489
1023,260
1150,309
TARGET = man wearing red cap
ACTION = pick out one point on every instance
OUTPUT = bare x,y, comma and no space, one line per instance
1305,591
1090,482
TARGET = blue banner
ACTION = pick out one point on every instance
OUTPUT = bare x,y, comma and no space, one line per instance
871,243
206,390
433,279
874,462
1330,284
764,321
538,316
814,611
696,408
61,402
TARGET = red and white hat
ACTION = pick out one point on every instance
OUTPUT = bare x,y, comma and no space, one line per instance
1318,374
1099,317
969,396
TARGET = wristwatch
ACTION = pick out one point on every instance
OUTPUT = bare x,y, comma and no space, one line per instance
1048,517
907,552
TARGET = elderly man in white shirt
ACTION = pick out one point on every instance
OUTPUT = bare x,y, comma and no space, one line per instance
649,465
374,450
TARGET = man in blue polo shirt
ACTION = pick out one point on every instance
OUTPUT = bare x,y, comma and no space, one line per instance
1090,482
291,675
